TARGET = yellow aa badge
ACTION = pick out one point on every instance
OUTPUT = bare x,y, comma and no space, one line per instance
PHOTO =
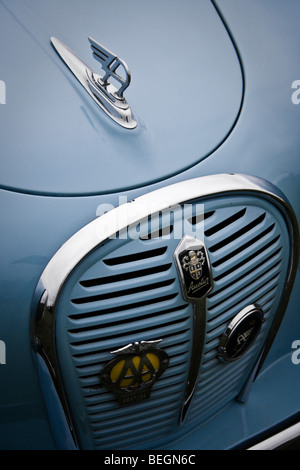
131,374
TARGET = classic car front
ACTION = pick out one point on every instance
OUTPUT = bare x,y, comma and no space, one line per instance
149,235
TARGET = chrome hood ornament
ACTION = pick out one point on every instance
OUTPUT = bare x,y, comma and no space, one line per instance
107,95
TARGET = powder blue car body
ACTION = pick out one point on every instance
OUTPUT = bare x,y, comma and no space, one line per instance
61,158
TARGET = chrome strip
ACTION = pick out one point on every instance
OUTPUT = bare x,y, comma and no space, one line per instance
279,439
199,329
101,229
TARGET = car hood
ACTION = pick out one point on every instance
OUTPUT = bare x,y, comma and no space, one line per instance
185,92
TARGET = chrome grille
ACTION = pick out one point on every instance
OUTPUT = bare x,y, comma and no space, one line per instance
128,291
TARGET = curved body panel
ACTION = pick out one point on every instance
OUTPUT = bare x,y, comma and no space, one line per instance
88,153
63,163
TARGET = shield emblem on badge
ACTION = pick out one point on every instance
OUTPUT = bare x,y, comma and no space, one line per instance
195,266
194,262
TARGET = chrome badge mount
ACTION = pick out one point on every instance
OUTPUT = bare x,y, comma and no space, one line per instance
107,95
195,275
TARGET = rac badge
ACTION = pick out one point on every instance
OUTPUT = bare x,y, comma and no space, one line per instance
132,373
194,268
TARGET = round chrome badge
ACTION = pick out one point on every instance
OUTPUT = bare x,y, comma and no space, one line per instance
240,333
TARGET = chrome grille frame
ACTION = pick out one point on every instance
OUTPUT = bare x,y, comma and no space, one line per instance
100,230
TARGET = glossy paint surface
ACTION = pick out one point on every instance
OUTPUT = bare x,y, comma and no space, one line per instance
185,92
264,142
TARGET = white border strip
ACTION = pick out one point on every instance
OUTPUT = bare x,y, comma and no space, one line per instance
278,439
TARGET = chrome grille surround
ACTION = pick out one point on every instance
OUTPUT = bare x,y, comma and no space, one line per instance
67,276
